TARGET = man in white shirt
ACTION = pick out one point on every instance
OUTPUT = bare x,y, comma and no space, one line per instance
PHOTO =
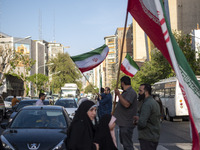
41,99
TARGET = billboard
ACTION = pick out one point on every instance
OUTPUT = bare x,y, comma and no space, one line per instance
22,48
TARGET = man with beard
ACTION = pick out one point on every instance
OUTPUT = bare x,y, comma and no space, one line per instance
148,121
125,110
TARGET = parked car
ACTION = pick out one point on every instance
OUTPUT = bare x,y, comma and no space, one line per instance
37,127
69,104
2,109
23,103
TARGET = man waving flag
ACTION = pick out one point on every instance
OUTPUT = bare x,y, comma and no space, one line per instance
150,16
92,59
128,66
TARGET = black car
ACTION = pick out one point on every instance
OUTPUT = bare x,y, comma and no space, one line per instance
23,103
37,128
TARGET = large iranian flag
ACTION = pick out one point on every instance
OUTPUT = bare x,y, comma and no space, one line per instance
92,59
149,15
128,66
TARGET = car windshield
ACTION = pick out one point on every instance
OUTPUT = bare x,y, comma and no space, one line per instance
26,103
39,119
67,103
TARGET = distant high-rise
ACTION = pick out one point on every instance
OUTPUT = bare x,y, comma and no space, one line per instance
184,16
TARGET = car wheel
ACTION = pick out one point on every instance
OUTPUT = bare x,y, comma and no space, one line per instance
1,115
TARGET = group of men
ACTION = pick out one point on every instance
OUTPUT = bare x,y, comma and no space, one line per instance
133,110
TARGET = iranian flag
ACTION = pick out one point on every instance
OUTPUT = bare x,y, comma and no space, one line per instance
150,16
92,59
128,66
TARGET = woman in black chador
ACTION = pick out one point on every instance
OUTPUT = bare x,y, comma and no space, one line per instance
80,134
105,134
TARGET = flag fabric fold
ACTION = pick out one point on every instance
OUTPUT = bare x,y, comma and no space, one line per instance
151,18
128,66
92,59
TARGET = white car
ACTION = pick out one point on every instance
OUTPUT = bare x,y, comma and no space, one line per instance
8,101
69,104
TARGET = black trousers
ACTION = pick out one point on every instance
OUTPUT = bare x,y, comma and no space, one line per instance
148,145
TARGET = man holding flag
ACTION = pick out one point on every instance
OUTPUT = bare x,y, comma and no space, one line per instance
124,112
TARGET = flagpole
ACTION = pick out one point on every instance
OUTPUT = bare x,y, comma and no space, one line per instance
85,77
120,61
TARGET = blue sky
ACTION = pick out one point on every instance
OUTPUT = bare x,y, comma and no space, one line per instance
80,24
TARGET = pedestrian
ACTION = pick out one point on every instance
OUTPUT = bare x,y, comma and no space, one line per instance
148,121
105,103
14,101
125,110
105,134
40,102
158,100
80,134
100,96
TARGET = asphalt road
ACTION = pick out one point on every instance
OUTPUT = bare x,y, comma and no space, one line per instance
174,136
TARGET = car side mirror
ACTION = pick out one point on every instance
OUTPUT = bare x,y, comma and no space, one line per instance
4,125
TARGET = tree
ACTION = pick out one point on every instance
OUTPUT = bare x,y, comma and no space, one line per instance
69,73
39,82
6,56
91,89
20,66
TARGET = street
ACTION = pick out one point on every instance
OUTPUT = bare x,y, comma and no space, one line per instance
174,136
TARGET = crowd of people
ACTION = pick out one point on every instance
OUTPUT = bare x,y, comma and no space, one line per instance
93,126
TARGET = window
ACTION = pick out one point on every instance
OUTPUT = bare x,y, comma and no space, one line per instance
167,92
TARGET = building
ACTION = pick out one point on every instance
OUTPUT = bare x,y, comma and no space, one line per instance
109,73
8,45
54,49
128,42
140,52
196,40
184,16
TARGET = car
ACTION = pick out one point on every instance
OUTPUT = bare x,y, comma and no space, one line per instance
69,104
37,128
23,103
8,101
2,109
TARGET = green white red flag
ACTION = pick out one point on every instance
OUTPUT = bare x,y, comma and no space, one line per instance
150,16
92,59
128,66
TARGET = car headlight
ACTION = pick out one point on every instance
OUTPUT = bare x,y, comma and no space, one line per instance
60,146
6,145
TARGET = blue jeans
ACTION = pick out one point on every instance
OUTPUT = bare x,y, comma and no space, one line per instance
126,134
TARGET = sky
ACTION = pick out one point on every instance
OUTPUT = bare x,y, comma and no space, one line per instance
79,24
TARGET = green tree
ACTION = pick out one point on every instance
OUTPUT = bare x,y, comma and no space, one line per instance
91,89
69,73
39,82
185,43
20,66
